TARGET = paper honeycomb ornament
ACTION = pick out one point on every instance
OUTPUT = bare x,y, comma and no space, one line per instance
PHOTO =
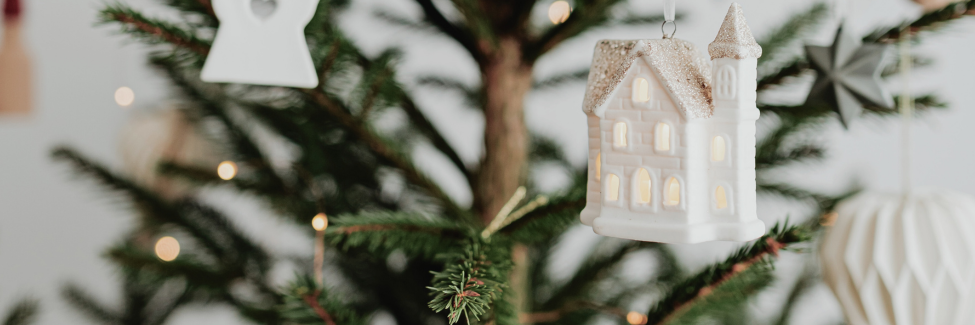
672,138
258,50
903,259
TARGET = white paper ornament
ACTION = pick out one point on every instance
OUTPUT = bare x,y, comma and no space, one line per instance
903,259
672,138
258,50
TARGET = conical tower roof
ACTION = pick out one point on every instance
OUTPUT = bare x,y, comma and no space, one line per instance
734,39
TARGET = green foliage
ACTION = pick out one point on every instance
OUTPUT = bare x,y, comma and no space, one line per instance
383,232
471,282
720,286
23,313
343,159
305,302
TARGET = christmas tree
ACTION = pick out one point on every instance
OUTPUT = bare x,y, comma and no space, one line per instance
483,263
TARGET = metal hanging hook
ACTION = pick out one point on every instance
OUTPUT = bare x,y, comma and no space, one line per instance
670,9
663,29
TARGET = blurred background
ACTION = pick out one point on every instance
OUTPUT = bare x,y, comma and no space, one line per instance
54,228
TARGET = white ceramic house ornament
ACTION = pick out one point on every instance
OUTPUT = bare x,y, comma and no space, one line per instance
262,50
672,138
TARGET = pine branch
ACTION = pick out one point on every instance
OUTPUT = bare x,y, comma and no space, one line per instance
171,34
807,280
153,31
795,27
377,145
589,275
587,15
787,71
305,302
460,34
471,282
550,220
747,268
23,313
384,232
931,21
472,95
561,79
81,300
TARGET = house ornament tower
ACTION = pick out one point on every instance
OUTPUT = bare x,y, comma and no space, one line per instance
672,138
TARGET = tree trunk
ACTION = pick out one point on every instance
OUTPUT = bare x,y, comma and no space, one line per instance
506,81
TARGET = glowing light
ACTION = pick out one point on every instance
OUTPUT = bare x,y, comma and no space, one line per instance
619,137
721,197
559,11
227,170
642,92
599,165
319,222
636,318
124,96
613,188
167,248
717,149
663,137
673,192
643,184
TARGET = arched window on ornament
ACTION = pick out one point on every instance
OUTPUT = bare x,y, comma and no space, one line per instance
672,192
641,90
599,165
718,148
662,137
720,198
619,134
612,188
643,186
725,83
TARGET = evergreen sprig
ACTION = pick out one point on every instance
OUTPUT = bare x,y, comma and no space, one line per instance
384,232
471,282
22,313
744,272
306,302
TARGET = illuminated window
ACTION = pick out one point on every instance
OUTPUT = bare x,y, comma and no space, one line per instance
612,188
663,137
720,197
643,185
599,165
641,90
673,192
619,134
717,148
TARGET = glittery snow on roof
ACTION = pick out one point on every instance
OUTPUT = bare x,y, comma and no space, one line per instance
682,70
734,39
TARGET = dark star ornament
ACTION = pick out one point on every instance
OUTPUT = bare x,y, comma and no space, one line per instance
848,76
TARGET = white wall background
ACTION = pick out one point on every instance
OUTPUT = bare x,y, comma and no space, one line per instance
53,226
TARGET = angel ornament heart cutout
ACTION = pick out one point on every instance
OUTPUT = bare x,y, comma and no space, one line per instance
260,48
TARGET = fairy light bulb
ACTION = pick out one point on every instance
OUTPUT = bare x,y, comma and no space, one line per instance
319,222
559,11
167,248
635,318
227,170
124,96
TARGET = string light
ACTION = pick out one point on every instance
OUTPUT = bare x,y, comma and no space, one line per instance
124,96
559,11
635,318
227,170
319,222
167,248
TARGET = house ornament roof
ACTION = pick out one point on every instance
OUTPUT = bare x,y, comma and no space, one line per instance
734,39
682,70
